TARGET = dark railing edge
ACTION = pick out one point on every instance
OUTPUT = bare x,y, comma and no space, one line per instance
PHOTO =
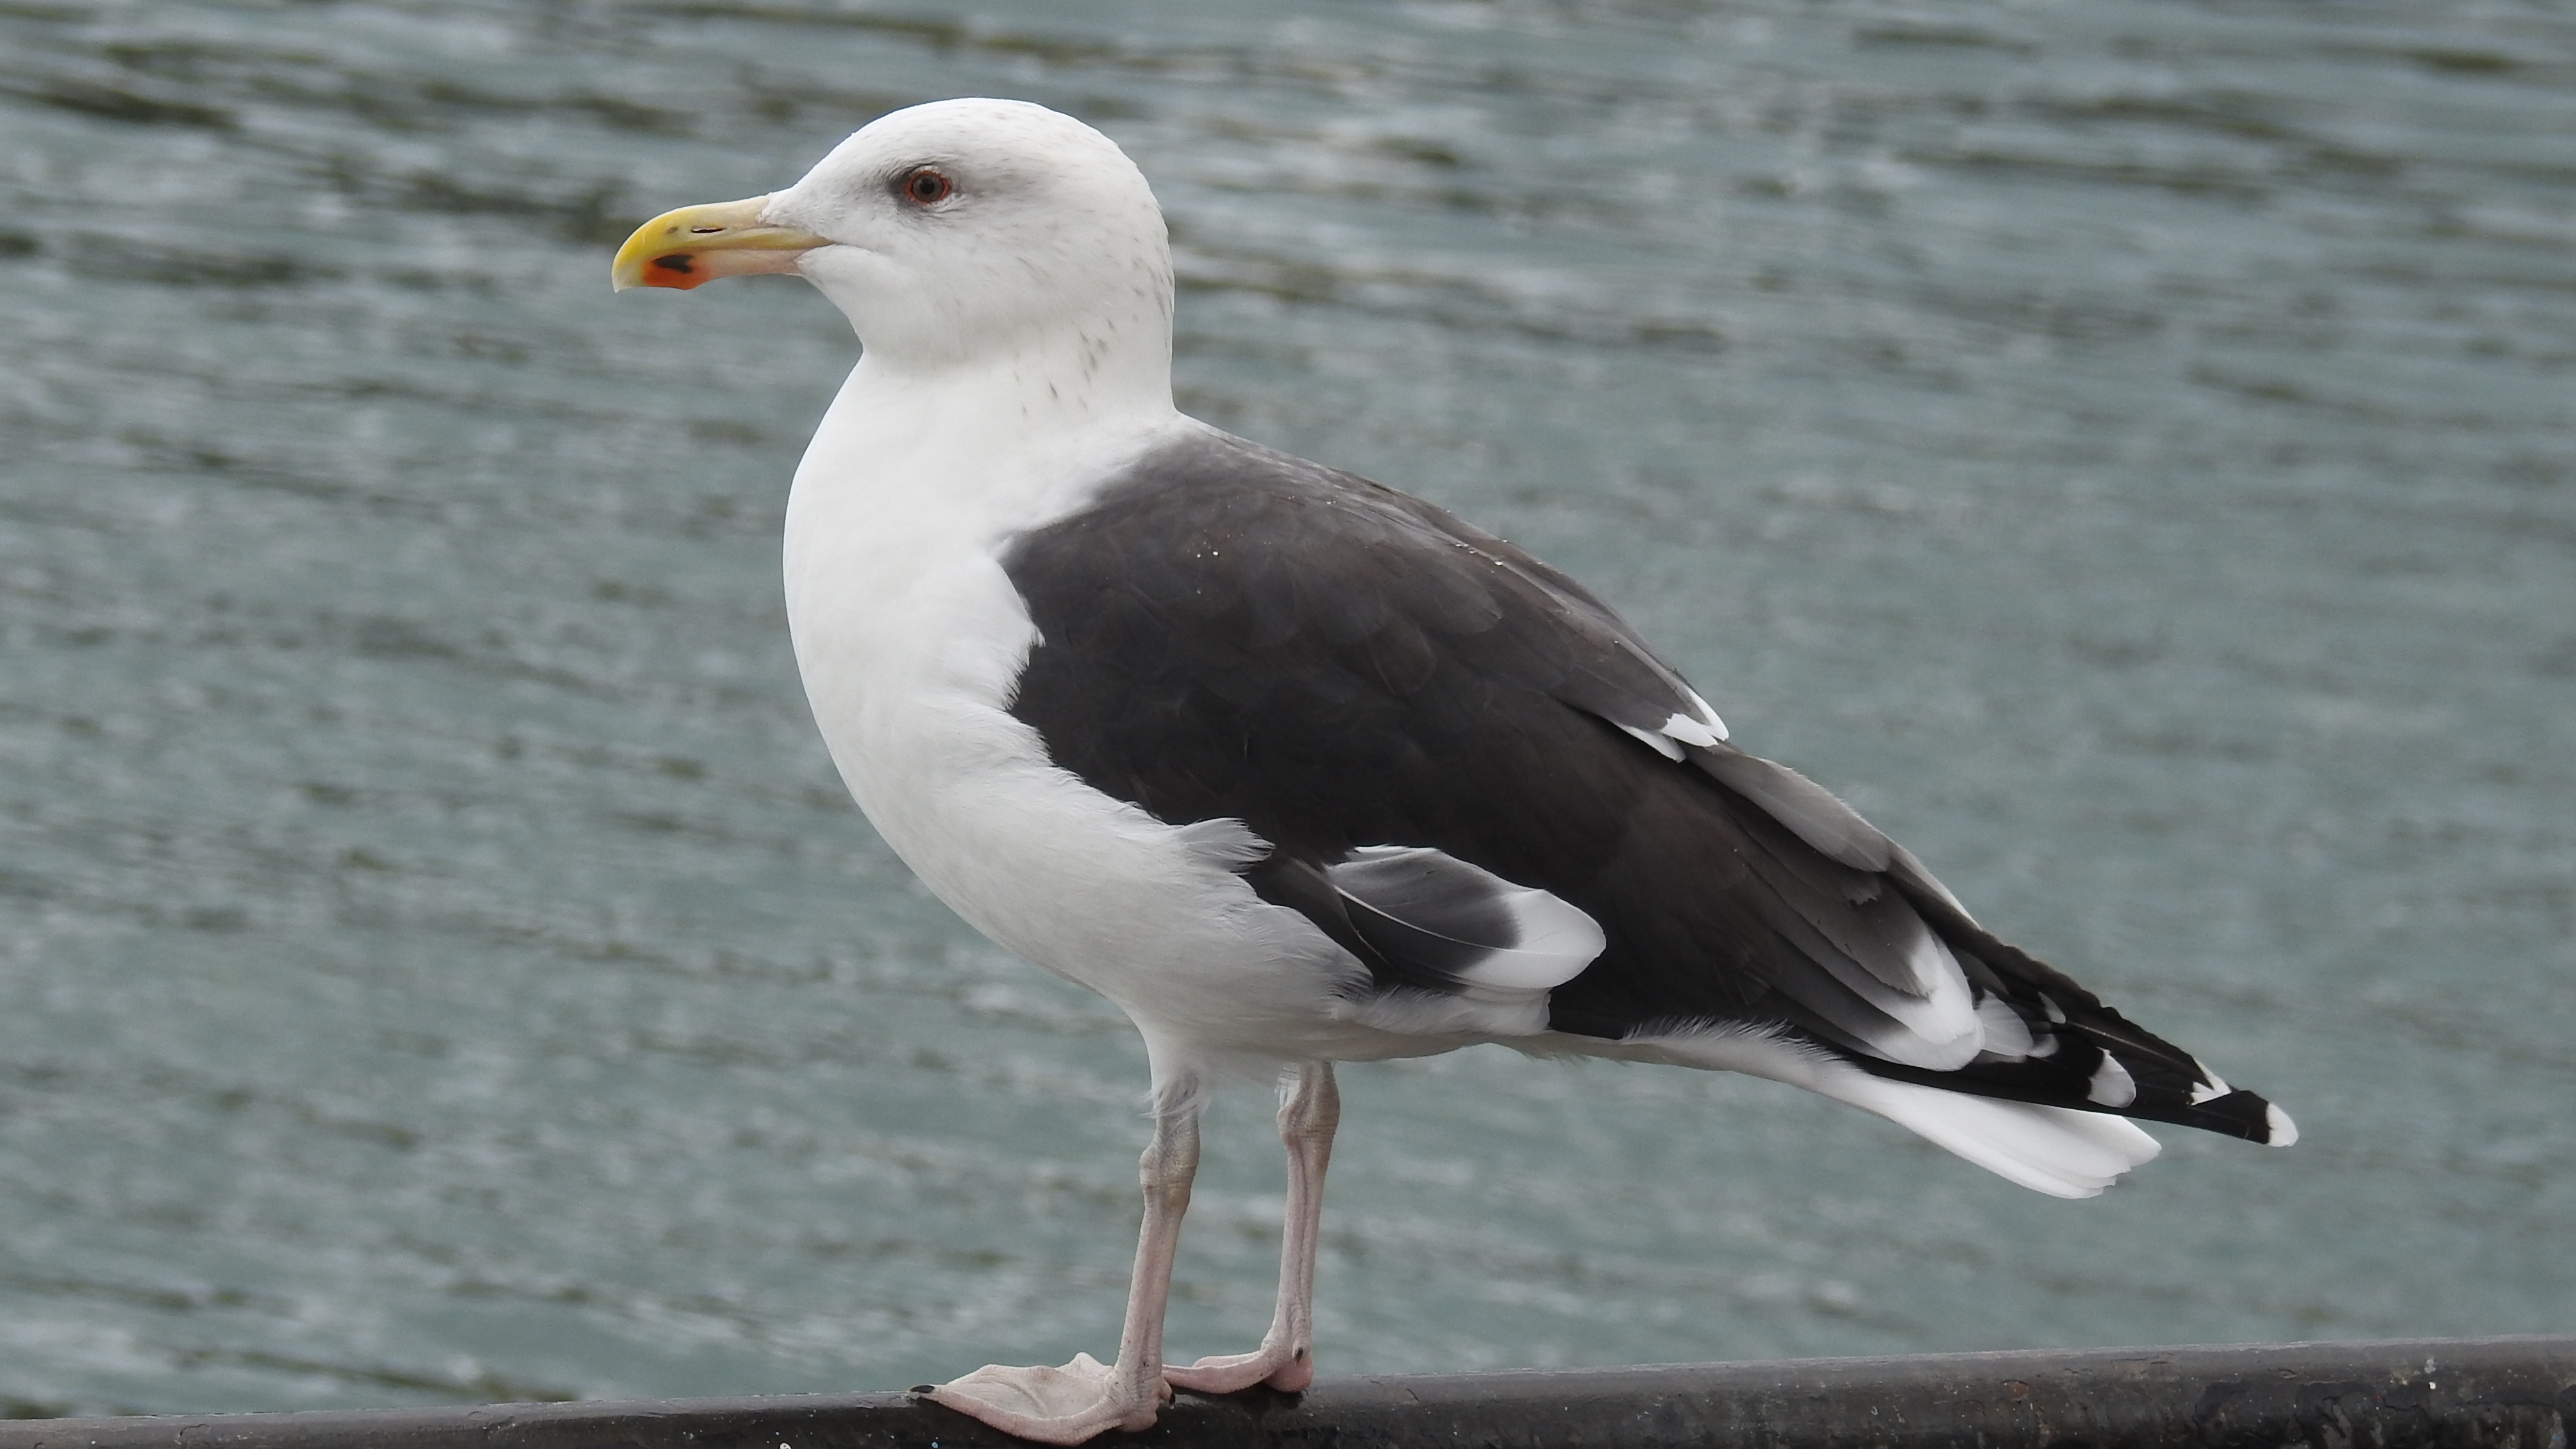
2464,1393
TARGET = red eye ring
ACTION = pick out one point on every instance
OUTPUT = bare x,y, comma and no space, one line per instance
923,187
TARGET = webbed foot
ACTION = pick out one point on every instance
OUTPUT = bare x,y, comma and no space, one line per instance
1067,1405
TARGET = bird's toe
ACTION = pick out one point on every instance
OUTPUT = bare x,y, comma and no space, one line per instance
1285,1369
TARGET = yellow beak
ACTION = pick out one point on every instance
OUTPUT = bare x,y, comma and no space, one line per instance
700,243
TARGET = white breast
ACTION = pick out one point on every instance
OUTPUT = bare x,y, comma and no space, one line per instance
910,638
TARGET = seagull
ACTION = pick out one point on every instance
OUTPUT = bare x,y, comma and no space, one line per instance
1296,769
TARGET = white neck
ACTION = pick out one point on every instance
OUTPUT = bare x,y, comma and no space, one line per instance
1044,386
981,445
918,475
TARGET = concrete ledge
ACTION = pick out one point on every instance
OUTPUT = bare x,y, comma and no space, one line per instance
2486,1393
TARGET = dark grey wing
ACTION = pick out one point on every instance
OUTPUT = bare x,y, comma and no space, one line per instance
1230,632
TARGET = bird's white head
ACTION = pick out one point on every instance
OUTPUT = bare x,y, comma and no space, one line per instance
972,233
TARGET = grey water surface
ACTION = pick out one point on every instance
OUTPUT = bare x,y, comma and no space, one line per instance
2126,446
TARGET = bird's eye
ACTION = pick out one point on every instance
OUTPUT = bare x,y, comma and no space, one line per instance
924,187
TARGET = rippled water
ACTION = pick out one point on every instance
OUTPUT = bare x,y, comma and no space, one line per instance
2124,446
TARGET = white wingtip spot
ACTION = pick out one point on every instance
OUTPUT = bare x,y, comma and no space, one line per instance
2282,1132
1692,732
2112,1086
1660,744
1706,713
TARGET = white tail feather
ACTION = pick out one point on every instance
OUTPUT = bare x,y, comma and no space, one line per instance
2056,1150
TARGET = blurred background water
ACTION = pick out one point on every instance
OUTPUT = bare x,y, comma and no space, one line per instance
2125,446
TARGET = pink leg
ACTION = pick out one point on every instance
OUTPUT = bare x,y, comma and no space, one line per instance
1309,1111
1070,1404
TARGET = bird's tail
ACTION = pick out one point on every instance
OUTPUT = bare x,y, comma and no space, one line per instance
2082,1054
